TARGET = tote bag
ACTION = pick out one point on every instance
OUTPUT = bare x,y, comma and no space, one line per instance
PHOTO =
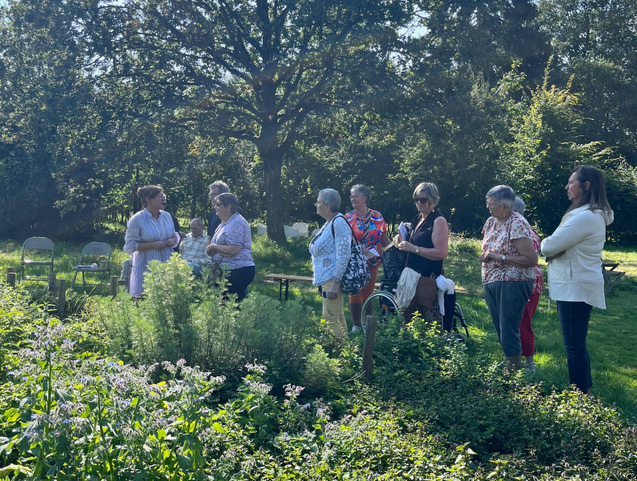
356,274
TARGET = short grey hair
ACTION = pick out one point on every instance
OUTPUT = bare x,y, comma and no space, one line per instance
363,191
503,195
226,198
518,206
330,198
219,184
196,221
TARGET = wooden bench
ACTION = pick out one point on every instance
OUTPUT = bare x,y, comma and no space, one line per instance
285,279
611,277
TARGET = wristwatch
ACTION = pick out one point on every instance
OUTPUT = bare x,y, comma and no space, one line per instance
417,250
504,258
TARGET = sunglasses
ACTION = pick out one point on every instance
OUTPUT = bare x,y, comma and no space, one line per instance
422,200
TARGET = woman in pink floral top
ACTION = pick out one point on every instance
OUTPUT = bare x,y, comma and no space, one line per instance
370,230
508,259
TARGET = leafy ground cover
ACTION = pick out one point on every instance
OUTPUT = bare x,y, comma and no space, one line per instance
104,394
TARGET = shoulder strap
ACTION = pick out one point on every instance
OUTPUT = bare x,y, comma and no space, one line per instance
350,227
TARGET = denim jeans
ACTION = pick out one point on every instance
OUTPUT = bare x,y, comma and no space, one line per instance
196,268
574,317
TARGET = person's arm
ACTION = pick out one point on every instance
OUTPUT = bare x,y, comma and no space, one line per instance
526,257
571,232
385,240
237,234
343,245
439,238
228,250
149,246
133,238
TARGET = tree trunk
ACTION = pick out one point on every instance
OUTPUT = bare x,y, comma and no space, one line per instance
272,163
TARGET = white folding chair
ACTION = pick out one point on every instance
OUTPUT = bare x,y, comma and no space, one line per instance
40,253
98,254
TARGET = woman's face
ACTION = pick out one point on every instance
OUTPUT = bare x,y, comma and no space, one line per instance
156,203
322,209
423,204
495,209
574,189
223,211
359,202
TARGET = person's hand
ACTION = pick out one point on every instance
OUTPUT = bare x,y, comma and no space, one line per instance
550,258
406,247
486,256
171,242
333,291
159,245
210,250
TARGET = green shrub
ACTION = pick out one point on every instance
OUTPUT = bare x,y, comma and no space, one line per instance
183,318
321,372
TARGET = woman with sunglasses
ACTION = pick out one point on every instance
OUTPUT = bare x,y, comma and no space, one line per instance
428,241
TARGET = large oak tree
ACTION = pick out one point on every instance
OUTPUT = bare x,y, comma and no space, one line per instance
254,70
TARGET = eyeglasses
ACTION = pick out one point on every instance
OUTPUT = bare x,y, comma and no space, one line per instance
422,200
491,203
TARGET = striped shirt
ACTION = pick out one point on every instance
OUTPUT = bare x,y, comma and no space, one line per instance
143,227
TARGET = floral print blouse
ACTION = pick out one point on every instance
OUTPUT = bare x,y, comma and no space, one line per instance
500,240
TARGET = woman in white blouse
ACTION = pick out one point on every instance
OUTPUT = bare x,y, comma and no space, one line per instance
330,249
574,254
150,235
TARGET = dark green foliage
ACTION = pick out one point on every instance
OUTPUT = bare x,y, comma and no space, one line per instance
432,412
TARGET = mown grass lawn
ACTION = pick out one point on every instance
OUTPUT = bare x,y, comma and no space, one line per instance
612,334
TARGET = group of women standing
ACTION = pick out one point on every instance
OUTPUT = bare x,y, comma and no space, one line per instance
574,254
426,247
151,235
511,276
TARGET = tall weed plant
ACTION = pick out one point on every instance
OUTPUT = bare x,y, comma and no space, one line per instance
191,319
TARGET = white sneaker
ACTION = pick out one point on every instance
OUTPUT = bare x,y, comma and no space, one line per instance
356,329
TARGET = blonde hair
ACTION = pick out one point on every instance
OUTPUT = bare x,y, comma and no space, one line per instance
430,190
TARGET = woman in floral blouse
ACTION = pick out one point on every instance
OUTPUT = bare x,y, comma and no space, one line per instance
370,230
231,245
508,258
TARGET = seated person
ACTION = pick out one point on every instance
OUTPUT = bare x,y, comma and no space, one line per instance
193,248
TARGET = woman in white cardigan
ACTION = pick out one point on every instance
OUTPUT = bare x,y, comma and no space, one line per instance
574,254
330,249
